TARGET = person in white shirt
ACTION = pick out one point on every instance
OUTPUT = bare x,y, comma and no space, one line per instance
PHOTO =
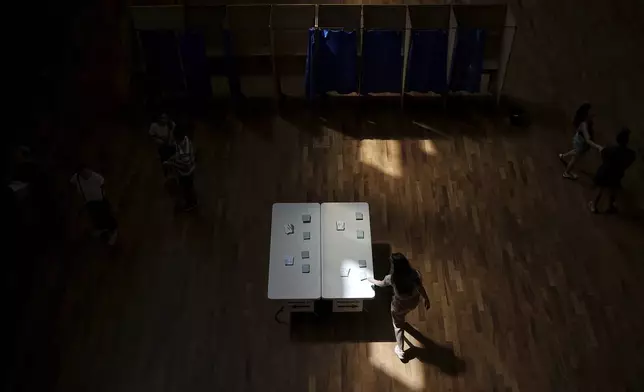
184,163
89,185
161,132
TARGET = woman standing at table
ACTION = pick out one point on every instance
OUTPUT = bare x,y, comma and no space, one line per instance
408,288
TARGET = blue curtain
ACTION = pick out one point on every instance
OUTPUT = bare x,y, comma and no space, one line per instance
334,59
467,65
195,65
427,63
162,63
382,62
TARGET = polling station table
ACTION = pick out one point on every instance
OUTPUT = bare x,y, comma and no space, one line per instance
347,258
294,264
320,252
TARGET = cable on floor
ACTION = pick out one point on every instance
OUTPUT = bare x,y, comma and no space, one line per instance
280,310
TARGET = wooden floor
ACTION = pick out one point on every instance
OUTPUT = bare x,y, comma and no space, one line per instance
529,291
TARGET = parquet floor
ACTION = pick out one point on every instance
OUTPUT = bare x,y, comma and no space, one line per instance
529,291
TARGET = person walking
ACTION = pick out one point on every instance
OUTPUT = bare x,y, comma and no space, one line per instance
161,132
183,161
615,160
581,141
89,185
408,288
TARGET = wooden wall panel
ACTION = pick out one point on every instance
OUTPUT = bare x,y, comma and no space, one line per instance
390,17
248,16
158,17
208,20
293,16
429,16
339,16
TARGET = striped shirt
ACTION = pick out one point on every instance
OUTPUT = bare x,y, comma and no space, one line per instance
91,189
184,158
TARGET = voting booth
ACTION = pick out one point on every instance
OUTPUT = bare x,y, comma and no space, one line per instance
309,51
334,51
205,25
291,27
250,50
430,46
485,35
158,30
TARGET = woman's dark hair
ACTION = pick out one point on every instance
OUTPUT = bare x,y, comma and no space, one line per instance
581,114
403,277
623,136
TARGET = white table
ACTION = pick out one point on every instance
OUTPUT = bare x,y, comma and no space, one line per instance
289,282
342,249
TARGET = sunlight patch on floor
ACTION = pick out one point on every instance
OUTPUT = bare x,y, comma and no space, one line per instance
411,374
383,155
428,147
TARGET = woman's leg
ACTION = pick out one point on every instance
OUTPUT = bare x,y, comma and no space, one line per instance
94,210
569,153
592,205
612,196
568,173
113,224
398,320
599,195
108,222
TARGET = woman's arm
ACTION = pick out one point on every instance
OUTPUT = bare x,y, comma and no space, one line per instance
380,283
584,131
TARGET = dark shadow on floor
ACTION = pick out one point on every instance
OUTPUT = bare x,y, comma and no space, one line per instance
373,324
383,119
431,353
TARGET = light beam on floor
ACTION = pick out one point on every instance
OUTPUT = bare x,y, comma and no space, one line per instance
428,147
410,374
383,155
